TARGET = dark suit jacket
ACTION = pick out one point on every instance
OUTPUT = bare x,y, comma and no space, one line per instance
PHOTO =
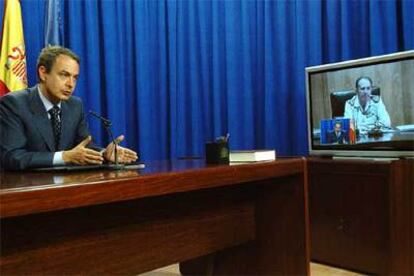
26,131
333,138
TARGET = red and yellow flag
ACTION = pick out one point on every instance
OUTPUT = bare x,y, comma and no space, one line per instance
13,54
352,132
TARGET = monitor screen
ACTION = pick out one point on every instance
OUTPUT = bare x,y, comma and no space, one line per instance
362,107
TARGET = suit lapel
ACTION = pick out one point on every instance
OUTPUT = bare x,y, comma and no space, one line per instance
40,118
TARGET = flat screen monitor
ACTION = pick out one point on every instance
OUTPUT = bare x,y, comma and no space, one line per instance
362,107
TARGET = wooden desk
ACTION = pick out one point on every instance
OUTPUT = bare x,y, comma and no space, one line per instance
244,219
362,214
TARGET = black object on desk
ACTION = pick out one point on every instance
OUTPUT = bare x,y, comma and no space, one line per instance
217,152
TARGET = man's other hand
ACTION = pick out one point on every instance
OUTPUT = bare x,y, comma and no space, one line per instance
81,155
124,155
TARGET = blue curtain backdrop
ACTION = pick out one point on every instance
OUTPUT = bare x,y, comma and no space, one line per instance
172,75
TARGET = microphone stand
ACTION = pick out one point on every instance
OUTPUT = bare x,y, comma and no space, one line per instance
107,125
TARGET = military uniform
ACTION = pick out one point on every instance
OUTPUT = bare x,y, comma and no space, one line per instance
374,115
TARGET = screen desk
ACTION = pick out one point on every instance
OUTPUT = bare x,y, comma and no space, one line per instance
392,140
213,219
362,214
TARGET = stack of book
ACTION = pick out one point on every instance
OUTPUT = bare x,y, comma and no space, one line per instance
252,155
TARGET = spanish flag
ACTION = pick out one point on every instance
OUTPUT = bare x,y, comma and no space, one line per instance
352,132
13,54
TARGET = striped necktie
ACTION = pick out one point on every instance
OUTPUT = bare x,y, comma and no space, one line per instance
56,124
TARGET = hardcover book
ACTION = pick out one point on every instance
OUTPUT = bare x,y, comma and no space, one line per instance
252,155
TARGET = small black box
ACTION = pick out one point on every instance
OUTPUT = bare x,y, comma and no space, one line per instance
217,152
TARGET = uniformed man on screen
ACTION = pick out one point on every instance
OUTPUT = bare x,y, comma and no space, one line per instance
367,111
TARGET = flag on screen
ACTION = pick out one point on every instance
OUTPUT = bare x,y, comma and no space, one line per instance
352,132
12,54
53,23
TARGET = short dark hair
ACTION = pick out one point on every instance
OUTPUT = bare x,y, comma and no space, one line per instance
360,78
48,56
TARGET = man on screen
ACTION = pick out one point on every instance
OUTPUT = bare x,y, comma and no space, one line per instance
45,125
337,135
367,111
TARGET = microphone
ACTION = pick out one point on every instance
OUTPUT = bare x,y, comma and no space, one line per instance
107,125
106,122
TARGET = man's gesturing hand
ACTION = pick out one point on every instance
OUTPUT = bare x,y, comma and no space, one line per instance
124,155
81,155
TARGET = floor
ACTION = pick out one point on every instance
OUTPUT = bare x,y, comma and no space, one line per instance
316,270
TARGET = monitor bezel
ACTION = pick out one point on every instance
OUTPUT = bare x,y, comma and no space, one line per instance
332,151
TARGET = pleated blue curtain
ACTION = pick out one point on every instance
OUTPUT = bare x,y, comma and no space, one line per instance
172,75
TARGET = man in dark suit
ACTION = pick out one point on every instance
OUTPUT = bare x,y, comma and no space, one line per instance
45,125
337,135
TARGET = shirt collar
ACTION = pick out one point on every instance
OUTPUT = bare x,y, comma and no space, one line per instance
358,105
46,103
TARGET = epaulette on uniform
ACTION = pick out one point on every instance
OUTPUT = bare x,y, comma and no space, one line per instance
375,98
352,101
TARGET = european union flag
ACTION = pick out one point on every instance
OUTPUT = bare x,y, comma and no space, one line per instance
53,24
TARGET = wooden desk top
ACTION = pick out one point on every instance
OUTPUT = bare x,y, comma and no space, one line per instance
24,193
